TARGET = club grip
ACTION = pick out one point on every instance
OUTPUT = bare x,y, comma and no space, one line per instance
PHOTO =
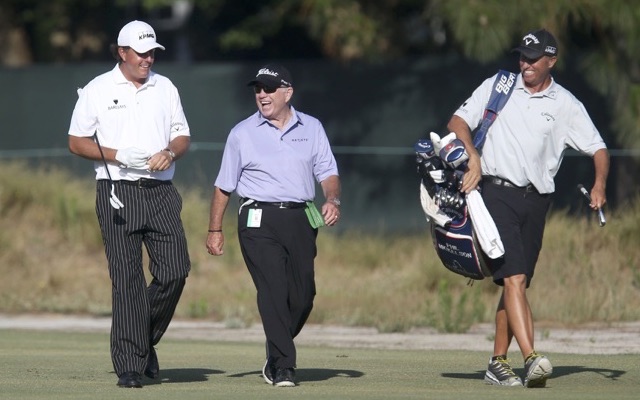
584,192
601,219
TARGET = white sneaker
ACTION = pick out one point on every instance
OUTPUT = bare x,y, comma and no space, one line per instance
538,369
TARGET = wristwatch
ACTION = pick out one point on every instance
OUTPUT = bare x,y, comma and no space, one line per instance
171,153
335,201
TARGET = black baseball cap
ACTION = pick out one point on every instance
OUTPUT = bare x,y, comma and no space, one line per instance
272,75
537,44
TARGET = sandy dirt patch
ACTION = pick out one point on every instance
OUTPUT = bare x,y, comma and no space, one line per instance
619,338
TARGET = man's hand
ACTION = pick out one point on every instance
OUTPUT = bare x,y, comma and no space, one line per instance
330,213
473,174
160,161
598,197
215,243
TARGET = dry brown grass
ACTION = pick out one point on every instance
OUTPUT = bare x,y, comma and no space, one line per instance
49,244
51,259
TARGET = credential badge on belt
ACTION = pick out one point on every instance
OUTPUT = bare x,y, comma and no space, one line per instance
254,218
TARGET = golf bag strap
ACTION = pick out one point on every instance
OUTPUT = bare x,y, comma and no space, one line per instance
499,95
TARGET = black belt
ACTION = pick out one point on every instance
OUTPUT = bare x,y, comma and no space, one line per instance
278,204
506,183
144,183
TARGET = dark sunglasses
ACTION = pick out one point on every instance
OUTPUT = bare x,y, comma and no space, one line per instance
267,89
528,60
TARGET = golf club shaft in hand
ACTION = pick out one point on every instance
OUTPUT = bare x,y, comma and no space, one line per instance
601,219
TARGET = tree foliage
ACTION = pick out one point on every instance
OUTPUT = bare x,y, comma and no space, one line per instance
602,36
599,37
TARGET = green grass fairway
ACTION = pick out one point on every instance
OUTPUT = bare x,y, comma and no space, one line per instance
53,365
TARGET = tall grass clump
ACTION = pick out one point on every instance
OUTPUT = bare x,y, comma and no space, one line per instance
52,258
588,273
456,312
49,242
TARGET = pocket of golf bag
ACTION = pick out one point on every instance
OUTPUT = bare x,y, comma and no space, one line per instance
459,250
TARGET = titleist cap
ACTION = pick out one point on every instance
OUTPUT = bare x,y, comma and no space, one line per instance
537,44
138,35
272,75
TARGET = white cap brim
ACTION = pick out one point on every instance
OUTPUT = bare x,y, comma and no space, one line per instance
144,47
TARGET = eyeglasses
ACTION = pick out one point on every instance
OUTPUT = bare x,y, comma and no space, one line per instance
267,89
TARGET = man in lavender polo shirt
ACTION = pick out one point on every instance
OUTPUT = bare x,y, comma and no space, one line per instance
272,160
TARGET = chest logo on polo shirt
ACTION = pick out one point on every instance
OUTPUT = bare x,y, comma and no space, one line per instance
547,116
116,106
300,140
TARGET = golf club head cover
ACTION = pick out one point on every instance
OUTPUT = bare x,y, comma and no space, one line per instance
439,143
427,161
454,153
424,148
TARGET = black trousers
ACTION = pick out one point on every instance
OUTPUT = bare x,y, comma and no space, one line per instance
280,258
141,313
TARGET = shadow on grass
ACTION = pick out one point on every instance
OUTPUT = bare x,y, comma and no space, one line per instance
312,374
181,375
558,371
612,374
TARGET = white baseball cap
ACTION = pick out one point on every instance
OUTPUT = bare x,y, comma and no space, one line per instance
138,35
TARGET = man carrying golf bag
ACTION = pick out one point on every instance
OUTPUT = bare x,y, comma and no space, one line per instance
517,164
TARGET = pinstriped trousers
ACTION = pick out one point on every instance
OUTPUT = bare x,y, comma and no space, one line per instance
141,313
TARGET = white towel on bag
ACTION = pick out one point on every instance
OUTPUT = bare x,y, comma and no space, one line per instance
483,226
431,209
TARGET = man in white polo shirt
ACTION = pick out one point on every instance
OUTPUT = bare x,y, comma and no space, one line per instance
130,122
517,165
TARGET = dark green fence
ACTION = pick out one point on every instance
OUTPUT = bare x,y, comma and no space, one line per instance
372,113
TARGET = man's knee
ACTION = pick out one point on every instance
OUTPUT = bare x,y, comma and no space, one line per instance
169,284
515,282
177,283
